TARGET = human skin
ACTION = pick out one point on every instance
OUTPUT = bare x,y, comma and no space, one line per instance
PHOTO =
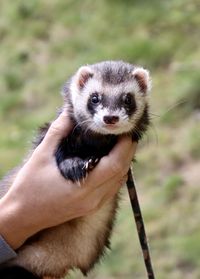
40,197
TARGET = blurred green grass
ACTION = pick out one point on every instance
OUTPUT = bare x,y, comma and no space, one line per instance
44,42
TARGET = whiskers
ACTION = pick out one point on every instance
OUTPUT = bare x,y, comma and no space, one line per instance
153,116
136,131
89,128
171,108
82,124
154,131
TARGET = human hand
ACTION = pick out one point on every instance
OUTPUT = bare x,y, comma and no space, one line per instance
40,197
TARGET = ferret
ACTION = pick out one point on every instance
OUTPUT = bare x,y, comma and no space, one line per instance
104,100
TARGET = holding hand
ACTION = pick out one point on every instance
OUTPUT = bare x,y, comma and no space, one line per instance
40,197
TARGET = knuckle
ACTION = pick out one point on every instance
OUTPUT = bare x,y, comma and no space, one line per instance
117,167
88,207
39,155
55,129
36,153
94,206
123,180
106,198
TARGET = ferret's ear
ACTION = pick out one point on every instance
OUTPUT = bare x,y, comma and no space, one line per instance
143,79
83,75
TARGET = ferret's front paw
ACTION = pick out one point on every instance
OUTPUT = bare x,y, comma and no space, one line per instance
73,169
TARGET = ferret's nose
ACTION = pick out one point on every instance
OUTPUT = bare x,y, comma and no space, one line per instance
110,119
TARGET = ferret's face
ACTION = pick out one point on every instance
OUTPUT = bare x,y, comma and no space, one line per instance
109,107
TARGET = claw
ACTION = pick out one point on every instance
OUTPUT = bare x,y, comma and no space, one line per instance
90,164
86,166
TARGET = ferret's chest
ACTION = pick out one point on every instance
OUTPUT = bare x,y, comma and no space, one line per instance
79,144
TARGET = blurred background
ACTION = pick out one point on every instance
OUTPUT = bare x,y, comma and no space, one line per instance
43,42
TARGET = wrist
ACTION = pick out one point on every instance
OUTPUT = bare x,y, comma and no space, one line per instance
12,227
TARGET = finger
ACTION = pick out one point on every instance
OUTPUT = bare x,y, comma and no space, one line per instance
113,186
116,162
122,153
105,192
59,129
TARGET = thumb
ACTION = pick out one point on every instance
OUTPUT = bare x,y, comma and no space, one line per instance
59,129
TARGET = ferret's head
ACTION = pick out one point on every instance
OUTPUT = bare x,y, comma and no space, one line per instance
109,97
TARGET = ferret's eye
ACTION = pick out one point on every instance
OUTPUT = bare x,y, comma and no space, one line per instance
95,99
128,99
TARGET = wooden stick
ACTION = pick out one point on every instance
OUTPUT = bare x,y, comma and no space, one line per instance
140,224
